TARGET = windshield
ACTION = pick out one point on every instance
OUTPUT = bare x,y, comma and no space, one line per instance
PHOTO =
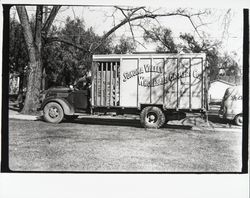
83,83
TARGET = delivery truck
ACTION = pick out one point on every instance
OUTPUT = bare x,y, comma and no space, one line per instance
156,87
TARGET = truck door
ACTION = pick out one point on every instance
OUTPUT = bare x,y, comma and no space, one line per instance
80,99
80,95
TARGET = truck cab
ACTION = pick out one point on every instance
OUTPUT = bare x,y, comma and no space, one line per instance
66,102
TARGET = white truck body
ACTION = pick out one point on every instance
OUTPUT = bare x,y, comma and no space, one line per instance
172,81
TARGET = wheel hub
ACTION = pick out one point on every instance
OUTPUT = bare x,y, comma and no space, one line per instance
152,118
53,112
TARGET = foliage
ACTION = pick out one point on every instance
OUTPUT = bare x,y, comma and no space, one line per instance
18,55
64,63
214,59
124,46
165,43
162,37
230,65
207,46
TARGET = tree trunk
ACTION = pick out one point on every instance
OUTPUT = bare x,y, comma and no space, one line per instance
35,66
33,88
34,46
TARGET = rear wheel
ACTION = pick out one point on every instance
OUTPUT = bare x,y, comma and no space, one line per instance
238,120
152,117
53,112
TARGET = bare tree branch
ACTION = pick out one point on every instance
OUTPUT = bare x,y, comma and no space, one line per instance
72,8
130,27
195,28
132,16
68,42
50,20
39,20
27,32
225,23
141,44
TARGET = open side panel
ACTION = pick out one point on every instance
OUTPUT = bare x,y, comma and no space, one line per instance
105,84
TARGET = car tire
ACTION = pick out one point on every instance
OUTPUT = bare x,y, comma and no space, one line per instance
238,120
152,117
53,112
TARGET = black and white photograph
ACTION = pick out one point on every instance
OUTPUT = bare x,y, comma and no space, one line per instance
125,89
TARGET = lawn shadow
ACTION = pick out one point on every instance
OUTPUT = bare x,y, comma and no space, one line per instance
175,126
122,122
216,119
106,121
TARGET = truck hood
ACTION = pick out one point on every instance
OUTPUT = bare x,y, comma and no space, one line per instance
56,92
59,89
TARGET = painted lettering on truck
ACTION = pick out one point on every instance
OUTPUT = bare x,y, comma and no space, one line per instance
159,80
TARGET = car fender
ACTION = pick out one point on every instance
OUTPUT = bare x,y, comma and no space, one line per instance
68,109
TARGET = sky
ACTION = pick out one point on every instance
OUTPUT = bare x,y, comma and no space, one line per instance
101,20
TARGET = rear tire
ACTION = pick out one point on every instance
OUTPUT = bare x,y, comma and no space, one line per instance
53,112
152,117
238,120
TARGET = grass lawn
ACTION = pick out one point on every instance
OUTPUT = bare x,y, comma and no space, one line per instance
113,145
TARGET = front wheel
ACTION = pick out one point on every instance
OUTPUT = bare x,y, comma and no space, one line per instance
152,117
238,120
53,112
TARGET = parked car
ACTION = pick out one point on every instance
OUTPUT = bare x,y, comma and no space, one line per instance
231,105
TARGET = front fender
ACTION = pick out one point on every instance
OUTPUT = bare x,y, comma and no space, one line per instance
67,107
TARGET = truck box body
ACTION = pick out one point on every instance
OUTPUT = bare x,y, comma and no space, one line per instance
173,81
